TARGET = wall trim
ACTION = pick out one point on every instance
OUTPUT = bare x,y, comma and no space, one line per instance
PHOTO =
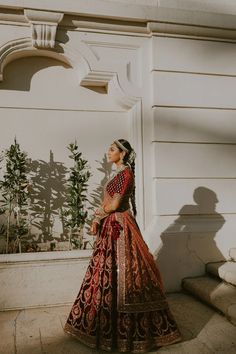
173,17
44,256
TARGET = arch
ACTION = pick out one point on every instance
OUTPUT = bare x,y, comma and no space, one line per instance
23,47
84,64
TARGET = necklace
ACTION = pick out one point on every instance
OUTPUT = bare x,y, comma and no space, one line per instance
119,169
115,173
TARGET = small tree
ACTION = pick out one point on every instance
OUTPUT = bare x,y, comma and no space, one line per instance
15,195
74,214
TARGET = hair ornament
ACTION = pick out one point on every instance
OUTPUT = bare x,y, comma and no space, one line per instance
121,146
131,157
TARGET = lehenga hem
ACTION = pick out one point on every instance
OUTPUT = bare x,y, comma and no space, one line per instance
85,339
139,347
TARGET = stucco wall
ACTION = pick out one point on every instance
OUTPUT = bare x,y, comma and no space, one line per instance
194,139
170,90
88,88
44,106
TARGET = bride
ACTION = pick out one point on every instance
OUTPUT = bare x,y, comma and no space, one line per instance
121,304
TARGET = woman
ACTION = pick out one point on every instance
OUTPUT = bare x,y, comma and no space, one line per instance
121,304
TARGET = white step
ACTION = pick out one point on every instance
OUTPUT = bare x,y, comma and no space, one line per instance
232,253
225,270
215,292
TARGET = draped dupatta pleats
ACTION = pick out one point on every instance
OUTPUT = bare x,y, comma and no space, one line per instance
140,287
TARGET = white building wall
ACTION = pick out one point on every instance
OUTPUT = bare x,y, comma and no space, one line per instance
169,69
44,106
194,139
90,88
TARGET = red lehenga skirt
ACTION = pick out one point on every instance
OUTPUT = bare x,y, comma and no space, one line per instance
121,304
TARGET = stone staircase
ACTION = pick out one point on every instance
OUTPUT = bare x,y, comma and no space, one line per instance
218,287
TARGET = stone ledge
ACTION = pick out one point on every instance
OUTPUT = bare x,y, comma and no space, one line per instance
41,279
42,256
40,284
214,292
225,270
213,268
232,253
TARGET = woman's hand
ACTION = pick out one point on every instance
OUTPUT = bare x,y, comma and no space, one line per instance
94,228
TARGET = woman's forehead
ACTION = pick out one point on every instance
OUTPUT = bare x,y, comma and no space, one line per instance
113,145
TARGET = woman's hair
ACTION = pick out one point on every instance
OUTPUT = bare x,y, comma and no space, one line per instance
127,145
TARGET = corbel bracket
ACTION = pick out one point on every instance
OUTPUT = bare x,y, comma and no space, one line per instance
44,26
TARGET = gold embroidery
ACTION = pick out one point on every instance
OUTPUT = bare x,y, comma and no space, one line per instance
121,302
123,305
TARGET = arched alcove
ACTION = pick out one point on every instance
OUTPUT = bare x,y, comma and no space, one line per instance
19,73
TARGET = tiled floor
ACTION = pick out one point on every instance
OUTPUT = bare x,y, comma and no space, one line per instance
40,331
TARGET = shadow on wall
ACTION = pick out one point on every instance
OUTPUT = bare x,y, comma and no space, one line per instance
188,243
48,194
20,80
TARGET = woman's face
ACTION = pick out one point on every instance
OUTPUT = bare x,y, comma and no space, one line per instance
114,154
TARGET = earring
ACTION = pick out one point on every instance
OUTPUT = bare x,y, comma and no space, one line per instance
122,159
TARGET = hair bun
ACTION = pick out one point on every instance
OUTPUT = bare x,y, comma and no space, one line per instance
131,157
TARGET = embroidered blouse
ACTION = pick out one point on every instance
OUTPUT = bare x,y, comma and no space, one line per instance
117,193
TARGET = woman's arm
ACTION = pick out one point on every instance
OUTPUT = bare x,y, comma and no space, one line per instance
104,210
113,204
110,205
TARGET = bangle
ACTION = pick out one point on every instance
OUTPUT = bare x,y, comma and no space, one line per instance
96,220
100,213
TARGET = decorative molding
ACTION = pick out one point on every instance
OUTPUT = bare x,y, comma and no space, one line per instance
185,30
11,49
123,98
12,16
111,81
22,47
44,26
96,78
175,18
215,13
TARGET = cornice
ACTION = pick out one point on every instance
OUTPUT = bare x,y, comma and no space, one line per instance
182,30
208,18
212,13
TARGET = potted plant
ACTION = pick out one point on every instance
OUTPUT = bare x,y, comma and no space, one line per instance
73,214
14,191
